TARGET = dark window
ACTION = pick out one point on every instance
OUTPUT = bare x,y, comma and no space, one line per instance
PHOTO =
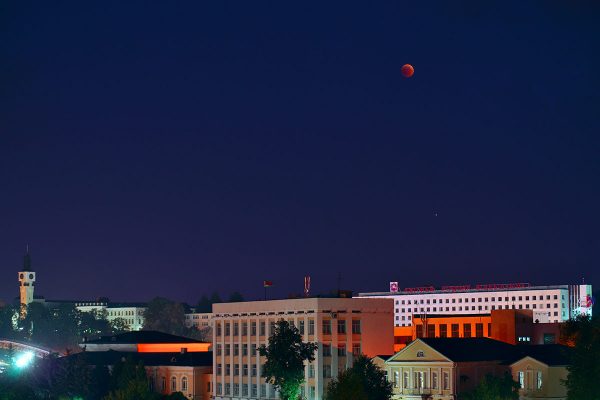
467,330
443,330
419,331
479,330
430,331
455,329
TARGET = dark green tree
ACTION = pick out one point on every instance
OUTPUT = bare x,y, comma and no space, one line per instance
174,396
118,325
584,370
166,316
348,385
204,305
93,324
130,382
365,379
236,297
285,357
214,299
495,388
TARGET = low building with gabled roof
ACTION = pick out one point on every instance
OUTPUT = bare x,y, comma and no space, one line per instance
442,368
540,372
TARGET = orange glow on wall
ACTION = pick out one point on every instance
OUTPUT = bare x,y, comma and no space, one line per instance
173,347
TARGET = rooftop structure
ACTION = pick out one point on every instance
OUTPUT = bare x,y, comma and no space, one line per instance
548,303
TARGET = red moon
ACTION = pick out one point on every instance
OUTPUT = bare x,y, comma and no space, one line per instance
407,70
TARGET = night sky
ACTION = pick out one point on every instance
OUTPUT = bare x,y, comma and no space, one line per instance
177,148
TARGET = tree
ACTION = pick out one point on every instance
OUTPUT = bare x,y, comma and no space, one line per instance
166,316
348,385
174,396
285,356
365,380
583,333
204,305
495,388
94,323
130,382
118,325
236,297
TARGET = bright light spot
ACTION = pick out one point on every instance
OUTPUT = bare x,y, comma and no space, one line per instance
23,360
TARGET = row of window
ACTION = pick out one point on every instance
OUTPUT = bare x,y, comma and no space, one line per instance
121,313
252,369
529,378
420,380
341,349
183,387
480,299
480,308
326,329
266,391
442,330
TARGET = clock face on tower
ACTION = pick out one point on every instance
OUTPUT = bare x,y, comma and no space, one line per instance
21,276
30,276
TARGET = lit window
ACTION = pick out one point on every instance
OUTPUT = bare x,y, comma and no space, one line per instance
522,379
184,384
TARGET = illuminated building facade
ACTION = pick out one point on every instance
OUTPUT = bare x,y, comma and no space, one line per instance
342,327
509,326
548,303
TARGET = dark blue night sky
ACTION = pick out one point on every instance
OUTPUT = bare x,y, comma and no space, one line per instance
176,148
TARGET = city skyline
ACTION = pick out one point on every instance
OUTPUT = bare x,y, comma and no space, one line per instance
175,151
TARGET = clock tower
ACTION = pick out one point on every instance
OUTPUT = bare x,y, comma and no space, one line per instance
26,281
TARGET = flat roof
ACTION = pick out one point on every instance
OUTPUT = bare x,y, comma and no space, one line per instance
452,291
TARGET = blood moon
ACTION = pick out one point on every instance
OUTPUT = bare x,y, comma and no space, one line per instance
407,70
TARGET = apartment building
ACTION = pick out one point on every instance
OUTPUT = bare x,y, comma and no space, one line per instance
342,328
548,303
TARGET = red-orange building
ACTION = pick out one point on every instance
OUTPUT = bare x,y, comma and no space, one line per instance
509,326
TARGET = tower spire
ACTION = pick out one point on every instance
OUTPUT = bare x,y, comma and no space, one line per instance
27,260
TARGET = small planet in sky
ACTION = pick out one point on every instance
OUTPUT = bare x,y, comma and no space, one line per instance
407,70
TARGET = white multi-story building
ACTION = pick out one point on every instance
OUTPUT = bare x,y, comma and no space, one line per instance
548,303
199,321
342,327
131,313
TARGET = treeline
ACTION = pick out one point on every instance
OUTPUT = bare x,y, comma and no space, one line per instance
71,378
60,328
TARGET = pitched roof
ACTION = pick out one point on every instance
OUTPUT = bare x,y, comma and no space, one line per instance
549,354
471,349
112,357
384,356
136,337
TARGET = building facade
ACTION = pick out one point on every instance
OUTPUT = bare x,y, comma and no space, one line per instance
342,328
443,368
199,321
541,374
548,303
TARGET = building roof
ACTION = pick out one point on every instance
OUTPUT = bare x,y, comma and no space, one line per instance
125,305
111,357
384,356
136,337
471,349
486,289
549,354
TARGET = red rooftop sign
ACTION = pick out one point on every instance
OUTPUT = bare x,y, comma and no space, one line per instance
463,288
